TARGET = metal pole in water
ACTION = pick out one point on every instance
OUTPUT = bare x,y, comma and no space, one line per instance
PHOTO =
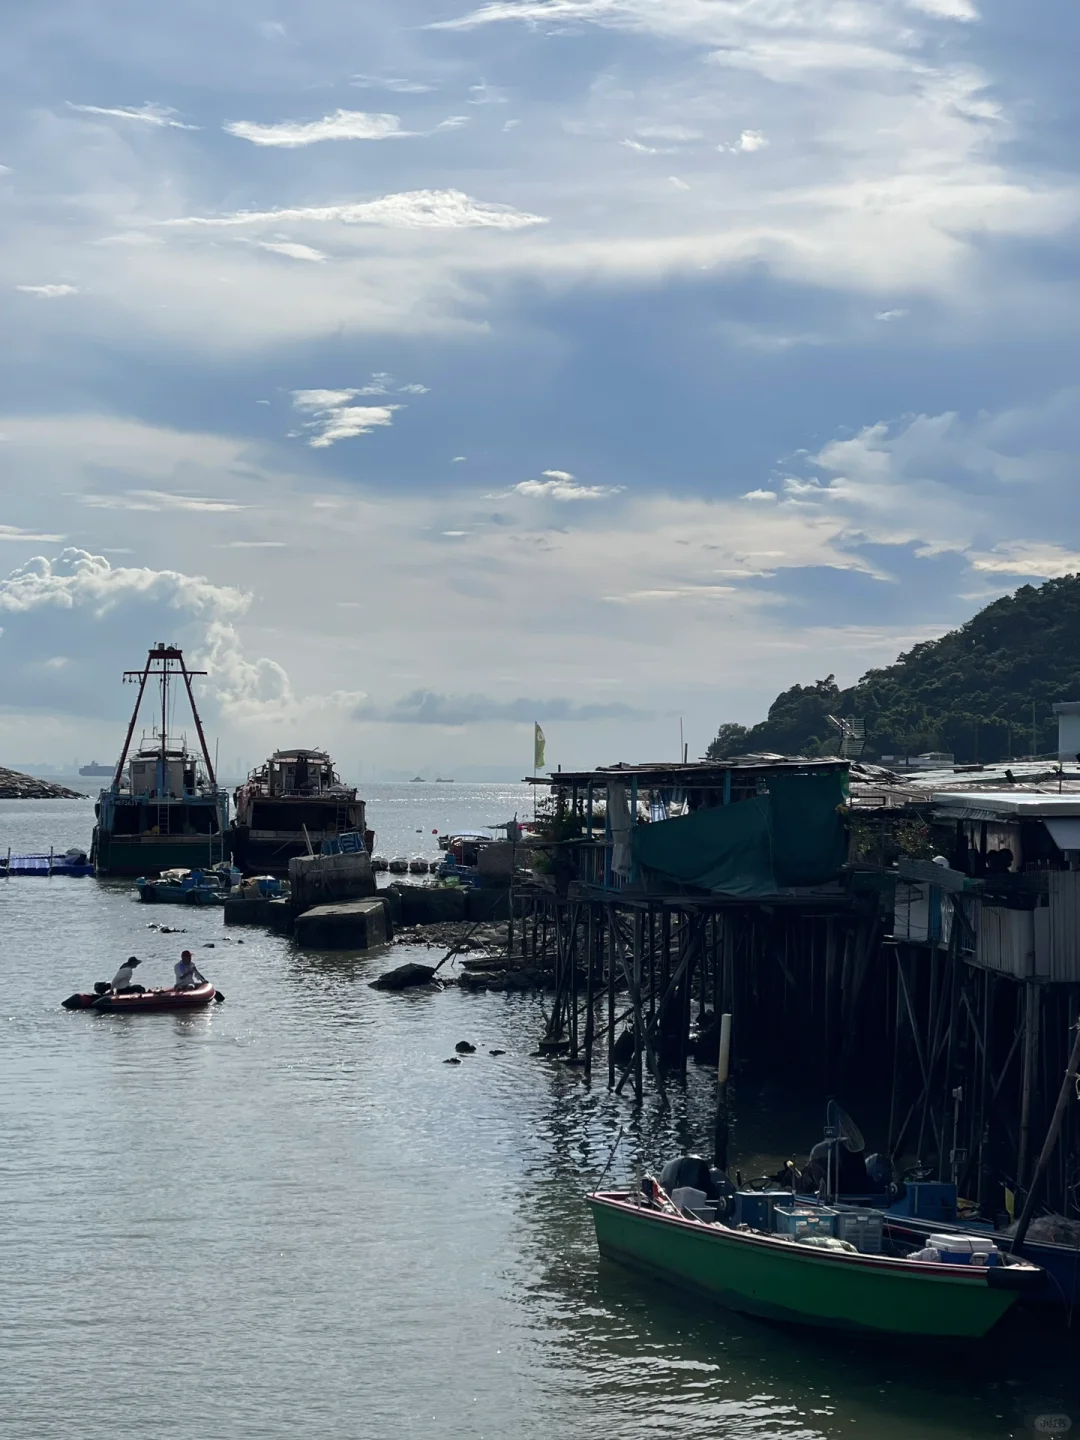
720,1147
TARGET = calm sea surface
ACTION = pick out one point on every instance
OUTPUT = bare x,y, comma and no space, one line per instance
287,1217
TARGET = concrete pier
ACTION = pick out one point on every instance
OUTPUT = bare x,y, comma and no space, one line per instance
345,925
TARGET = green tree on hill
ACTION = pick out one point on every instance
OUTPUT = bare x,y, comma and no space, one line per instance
970,693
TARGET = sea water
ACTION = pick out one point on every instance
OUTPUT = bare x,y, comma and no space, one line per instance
286,1216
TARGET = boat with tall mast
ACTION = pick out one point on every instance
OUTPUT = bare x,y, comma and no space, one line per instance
163,809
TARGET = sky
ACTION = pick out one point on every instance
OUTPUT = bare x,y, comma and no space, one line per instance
426,370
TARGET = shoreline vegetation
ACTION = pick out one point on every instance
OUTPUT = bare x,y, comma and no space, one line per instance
983,693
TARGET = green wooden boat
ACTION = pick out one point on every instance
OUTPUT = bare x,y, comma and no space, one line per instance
778,1279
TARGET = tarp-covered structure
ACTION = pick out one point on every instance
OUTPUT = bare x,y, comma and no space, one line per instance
793,836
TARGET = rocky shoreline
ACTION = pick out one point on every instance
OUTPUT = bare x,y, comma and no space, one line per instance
479,960
14,786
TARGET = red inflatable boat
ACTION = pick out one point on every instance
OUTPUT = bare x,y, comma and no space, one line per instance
150,1000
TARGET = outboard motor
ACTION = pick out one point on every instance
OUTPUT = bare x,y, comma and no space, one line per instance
879,1172
688,1170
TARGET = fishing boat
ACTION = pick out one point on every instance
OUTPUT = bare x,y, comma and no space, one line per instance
189,887
164,809
813,1280
290,806
146,1002
917,1209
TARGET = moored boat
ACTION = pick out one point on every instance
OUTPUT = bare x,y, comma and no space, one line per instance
418,865
189,887
164,809
399,865
815,1281
294,804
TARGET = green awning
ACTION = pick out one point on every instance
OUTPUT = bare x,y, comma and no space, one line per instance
794,835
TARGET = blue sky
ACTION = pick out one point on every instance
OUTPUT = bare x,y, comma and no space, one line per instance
425,367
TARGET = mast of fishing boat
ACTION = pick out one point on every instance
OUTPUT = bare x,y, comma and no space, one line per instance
164,654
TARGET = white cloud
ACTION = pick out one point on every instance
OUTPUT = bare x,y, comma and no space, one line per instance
341,125
760,495
412,209
747,143
561,485
293,250
679,184
48,292
13,532
160,500
161,116
1031,559
946,9
335,419
484,94
891,314
398,85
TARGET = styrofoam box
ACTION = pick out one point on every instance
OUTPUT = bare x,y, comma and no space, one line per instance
687,1198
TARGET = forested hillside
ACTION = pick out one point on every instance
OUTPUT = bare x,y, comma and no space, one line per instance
975,692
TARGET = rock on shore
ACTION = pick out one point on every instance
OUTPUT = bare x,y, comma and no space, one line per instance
14,786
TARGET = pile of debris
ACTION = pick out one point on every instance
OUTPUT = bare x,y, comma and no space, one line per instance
14,786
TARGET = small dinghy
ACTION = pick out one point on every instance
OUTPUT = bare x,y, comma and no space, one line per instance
144,1002
399,865
380,864
418,865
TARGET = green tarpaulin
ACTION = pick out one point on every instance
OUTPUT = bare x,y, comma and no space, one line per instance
794,835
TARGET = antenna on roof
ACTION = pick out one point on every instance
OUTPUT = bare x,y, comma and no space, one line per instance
852,735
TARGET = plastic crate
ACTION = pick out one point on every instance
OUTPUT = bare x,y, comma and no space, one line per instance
799,1222
755,1207
861,1228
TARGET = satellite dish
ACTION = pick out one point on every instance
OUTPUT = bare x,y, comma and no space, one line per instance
840,1123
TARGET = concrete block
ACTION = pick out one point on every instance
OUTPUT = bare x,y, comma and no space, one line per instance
247,912
430,904
345,925
495,863
324,879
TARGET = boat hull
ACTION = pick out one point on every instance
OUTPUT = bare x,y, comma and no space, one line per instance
154,1001
764,1276
1060,1285
150,854
154,894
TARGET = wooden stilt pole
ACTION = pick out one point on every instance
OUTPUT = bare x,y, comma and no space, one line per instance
722,1130
1069,1086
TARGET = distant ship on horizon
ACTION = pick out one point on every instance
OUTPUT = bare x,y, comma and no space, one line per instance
95,769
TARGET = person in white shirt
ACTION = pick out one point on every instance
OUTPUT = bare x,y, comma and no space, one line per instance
187,975
122,980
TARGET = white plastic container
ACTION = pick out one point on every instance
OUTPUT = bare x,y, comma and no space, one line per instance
965,1249
687,1198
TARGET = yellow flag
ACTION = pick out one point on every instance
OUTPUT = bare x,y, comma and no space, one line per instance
539,742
